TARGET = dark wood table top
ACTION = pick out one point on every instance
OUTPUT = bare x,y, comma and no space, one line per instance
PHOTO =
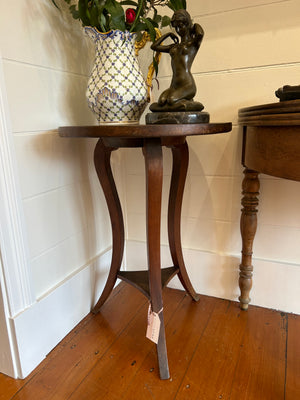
144,131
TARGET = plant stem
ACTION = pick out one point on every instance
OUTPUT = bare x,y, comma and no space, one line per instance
137,15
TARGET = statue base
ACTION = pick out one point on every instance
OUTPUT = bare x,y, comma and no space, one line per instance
180,105
179,117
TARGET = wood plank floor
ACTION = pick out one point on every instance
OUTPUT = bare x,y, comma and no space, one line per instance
215,351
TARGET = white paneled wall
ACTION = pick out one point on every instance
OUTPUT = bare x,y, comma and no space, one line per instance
62,215
250,49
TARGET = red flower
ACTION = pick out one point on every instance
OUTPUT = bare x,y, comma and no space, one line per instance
130,15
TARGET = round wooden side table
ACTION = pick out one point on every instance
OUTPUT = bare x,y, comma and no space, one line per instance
150,138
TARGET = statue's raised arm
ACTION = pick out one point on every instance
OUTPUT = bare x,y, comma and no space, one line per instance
197,34
158,46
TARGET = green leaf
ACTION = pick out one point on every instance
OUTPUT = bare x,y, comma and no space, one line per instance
177,4
152,22
139,36
102,22
150,28
82,13
117,15
140,26
165,21
94,15
156,17
99,3
155,65
129,3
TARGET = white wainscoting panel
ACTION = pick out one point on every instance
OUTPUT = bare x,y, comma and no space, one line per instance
275,284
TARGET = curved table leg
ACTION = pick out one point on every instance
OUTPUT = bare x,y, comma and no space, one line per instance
179,172
250,193
102,163
154,177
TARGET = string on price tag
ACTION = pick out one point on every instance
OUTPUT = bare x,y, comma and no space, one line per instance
153,326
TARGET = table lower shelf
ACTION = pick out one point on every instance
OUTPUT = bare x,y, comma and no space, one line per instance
140,279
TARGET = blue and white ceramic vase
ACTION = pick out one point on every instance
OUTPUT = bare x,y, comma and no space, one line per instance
116,89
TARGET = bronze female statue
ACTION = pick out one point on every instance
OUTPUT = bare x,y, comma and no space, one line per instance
179,97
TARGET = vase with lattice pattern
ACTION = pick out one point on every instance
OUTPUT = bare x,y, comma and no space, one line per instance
116,90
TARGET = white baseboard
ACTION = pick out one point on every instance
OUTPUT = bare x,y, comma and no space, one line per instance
42,326
276,285
7,360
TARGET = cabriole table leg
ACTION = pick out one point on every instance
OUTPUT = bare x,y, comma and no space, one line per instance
102,156
180,166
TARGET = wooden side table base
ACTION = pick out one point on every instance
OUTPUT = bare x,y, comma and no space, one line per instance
150,282
150,138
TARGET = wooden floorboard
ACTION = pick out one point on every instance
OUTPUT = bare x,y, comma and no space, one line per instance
183,332
260,371
69,367
122,360
215,351
211,371
292,386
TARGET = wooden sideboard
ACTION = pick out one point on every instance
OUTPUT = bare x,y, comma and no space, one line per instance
271,145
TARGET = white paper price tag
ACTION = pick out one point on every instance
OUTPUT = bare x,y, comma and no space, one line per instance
153,326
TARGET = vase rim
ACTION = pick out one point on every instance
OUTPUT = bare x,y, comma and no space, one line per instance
109,33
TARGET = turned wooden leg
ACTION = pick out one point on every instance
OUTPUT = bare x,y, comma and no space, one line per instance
102,163
179,172
154,178
250,194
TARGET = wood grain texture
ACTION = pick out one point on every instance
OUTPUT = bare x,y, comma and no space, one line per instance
183,331
216,351
102,156
248,225
140,279
292,385
260,370
273,114
180,155
82,351
151,138
271,145
210,374
9,387
280,107
154,179
143,131
273,150
116,369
